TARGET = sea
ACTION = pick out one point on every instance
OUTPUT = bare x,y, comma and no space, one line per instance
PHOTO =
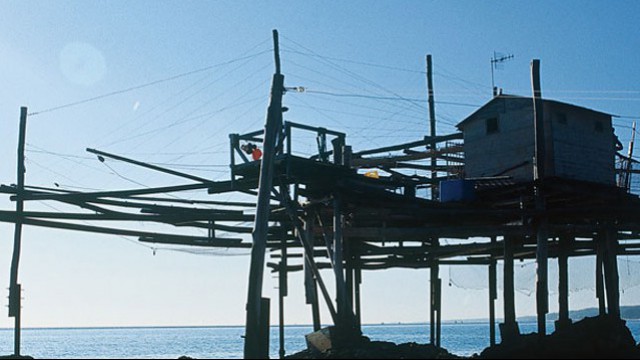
460,338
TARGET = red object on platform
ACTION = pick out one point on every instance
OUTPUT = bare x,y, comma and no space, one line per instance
256,154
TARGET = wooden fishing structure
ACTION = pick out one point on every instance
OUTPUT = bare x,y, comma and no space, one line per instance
354,211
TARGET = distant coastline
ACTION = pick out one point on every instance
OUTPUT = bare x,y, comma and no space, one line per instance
626,312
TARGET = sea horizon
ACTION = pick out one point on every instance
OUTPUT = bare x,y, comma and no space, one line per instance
462,338
633,313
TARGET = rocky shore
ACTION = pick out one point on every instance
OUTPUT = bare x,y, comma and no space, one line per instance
591,338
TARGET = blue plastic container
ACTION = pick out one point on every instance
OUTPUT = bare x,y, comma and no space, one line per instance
457,190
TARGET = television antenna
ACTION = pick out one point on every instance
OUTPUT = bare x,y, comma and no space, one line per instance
496,60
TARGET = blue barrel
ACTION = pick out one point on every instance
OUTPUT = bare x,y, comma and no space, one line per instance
457,190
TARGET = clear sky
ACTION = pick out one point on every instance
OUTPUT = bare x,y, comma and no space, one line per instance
54,53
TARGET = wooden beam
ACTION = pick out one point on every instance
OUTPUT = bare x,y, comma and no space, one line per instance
408,145
392,160
102,154
161,237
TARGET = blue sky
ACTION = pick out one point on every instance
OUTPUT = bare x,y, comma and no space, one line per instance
56,53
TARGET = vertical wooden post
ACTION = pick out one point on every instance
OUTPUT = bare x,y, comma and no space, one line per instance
349,274
233,141
602,310
538,121
611,276
265,326
563,282
358,281
434,317
436,285
493,295
509,329
287,134
282,292
542,252
439,311
338,148
15,301
542,284
342,299
432,129
310,285
273,126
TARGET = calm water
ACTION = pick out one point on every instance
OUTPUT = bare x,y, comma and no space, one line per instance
225,342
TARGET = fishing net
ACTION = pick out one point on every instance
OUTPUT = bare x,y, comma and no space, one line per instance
581,275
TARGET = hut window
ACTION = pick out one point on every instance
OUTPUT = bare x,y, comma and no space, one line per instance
562,118
599,127
492,125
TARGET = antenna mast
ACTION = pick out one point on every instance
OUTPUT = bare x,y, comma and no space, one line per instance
495,60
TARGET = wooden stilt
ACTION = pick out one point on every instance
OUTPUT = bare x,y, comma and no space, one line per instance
254,338
509,329
563,282
540,171
15,295
265,326
358,281
282,292
611,276
602,309
310,284
349,273
439,311
493,295
542,283
434,317
344,311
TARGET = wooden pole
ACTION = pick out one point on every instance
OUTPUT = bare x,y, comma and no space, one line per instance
349,273
439,310
563,282
252,348
342,299
509,329
542,287
147,165
358,281
435,280
493,295
611,276
15,301
282,292
435,296
538,120
265,327
310,284
432,128
602,310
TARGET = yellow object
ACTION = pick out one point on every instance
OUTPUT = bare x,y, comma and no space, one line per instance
372,174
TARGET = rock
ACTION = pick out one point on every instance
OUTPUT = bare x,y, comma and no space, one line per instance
596,337
319,341
604,337
366,349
